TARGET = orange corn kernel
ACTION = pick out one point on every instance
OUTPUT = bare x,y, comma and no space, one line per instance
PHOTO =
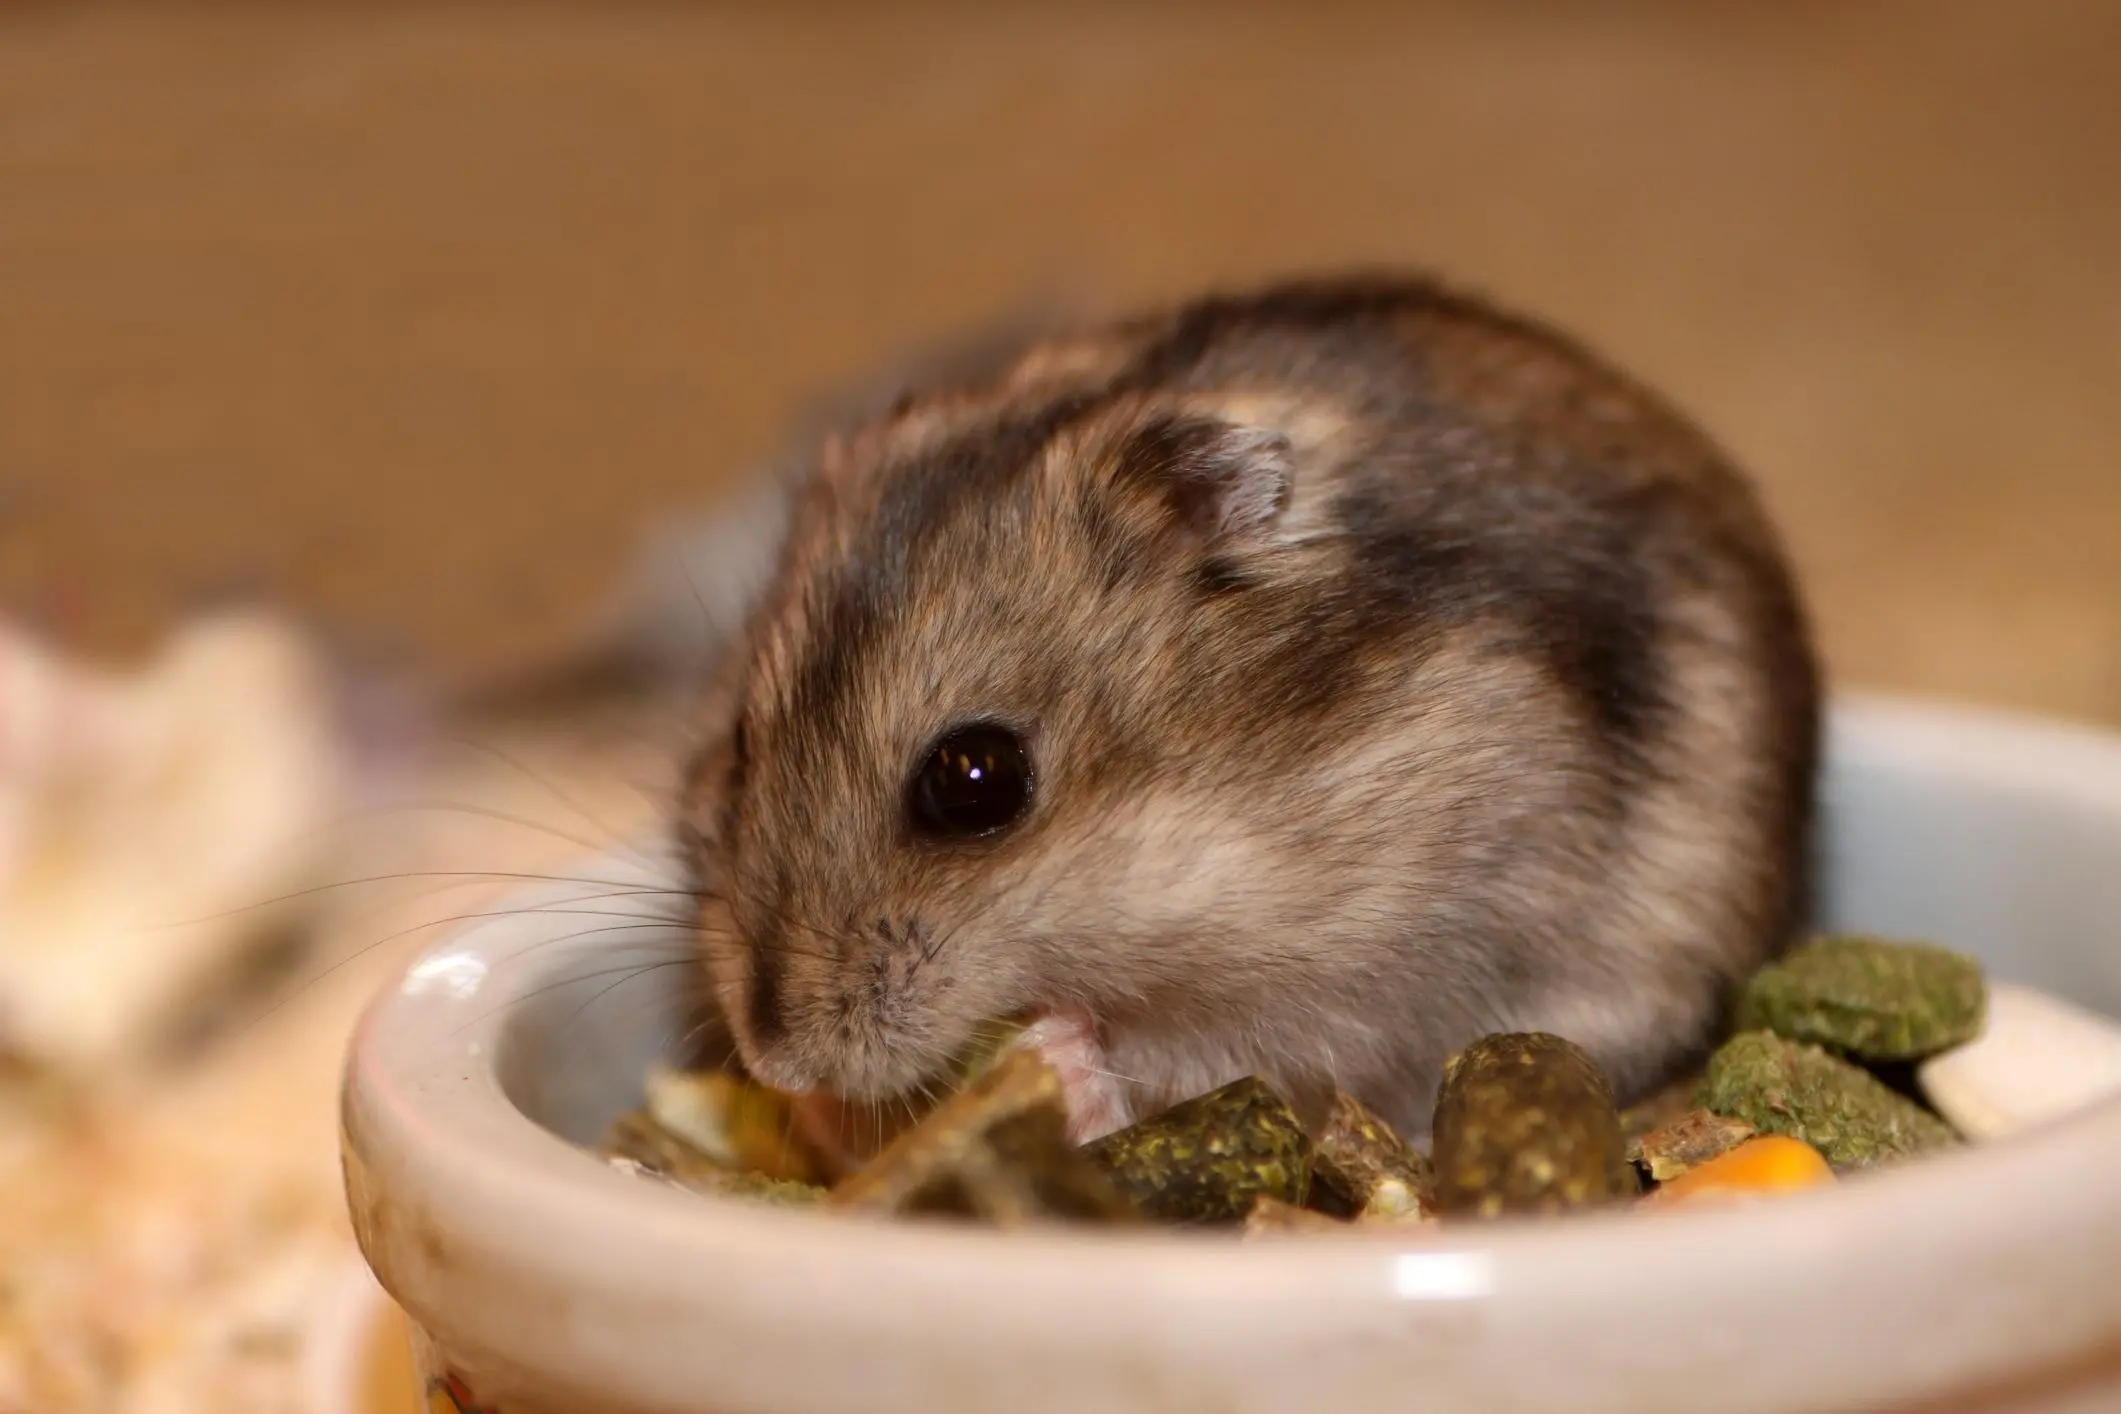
1767,1163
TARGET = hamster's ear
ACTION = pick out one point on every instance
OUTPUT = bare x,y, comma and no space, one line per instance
1215,481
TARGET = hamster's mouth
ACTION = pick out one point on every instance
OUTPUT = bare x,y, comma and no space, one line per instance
852,1131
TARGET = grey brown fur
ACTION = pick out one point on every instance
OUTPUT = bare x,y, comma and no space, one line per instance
1395,672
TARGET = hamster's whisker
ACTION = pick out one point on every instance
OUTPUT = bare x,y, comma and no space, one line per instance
1115,1075
505,817
689,948
625,971
552,789
696,1032
927,1094
710,629
467,878
987,1032
543,911
788,1127
940,941
628,976
297,989
840,937
363,915
369,947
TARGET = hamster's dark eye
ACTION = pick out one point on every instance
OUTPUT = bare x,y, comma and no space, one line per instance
975,780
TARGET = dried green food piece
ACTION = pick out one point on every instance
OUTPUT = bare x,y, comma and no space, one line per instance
757,1187
844,1136
1687,1142
990,1041
1525,1124
639,1139
1361,1166
1208,1159
1869,998
847,1134
737,1123
1661,1107
1271,1217
997,1151
1781,1086
640,1144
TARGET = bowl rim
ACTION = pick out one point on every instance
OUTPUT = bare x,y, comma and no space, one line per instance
429,1123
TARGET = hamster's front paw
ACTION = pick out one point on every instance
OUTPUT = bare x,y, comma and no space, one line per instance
1096,1098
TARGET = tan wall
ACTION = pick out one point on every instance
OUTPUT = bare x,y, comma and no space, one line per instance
425,311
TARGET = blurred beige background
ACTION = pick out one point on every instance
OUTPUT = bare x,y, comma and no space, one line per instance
422,313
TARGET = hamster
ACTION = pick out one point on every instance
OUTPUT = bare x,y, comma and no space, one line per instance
1300,681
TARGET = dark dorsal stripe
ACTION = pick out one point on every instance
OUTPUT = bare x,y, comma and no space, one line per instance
1590,614
982,466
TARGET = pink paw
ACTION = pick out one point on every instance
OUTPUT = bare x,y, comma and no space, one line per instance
1096,1098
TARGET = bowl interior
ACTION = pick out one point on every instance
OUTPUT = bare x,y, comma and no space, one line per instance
1985,832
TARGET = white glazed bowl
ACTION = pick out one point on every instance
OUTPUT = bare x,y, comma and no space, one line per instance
1986,1280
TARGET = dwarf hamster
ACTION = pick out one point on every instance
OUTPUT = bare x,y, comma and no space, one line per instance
1299,681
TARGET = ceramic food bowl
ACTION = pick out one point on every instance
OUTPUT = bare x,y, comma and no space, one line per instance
543,1282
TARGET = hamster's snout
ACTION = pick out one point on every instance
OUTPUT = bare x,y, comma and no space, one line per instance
859,1010
760,1026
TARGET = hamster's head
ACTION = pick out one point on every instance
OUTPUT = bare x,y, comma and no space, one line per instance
933,796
